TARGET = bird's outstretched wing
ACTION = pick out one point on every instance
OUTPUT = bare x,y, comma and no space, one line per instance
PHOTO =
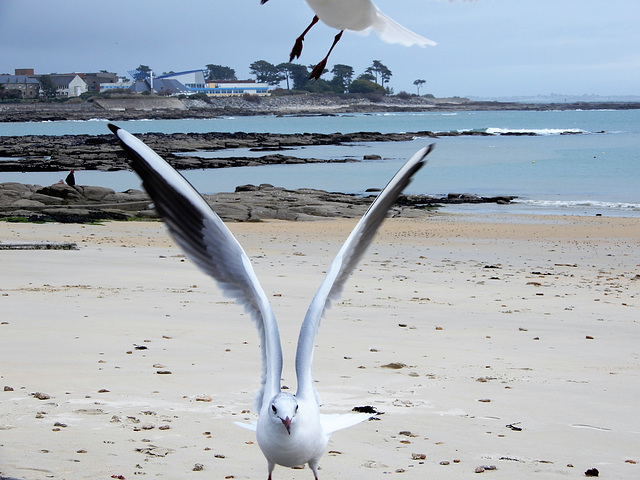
208,242
338,421
342,266
391,31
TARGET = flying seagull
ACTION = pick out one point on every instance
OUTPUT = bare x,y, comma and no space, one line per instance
290,429
356,15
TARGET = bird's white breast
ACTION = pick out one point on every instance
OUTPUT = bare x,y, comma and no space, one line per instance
306,442
345,14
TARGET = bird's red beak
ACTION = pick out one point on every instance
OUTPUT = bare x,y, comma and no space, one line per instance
287,424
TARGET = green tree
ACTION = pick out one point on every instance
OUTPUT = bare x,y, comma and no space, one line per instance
362,85
9,94
379,70
141,73
320,86
418,83
342,76
220,72
385,76
286,71
266,72
49,89
300,76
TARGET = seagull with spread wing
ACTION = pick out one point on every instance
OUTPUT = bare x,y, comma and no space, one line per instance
356,15
290,429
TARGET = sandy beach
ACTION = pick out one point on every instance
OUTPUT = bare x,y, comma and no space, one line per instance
494,340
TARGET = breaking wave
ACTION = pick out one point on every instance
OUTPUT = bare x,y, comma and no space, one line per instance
535,131
570,204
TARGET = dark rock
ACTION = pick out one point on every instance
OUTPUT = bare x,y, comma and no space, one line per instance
248,203
366,409
60,190
95,194
46,199
246,188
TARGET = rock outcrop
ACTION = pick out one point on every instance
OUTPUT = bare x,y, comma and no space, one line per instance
79,204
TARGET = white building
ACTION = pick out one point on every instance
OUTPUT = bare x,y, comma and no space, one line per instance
105,87
195,82
231,88
192,79
70,85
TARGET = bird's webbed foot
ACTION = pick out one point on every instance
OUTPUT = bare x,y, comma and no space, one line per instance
318,70
296,51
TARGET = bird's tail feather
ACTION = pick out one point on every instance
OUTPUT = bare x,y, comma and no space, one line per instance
391,31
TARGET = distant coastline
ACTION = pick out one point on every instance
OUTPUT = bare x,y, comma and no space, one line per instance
154,107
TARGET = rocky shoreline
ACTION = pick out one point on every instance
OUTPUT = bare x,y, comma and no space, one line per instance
42,153
64,203
152,107
102,152
82,204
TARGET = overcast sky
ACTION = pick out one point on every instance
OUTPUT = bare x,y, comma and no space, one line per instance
486,48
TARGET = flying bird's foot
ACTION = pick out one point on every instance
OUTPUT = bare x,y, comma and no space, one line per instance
296,50
318,70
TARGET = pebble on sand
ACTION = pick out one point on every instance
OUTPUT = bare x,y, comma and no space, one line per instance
484,468
395,365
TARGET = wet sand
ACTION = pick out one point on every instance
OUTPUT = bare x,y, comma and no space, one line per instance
494,320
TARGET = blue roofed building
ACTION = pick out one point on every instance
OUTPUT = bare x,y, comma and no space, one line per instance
194,81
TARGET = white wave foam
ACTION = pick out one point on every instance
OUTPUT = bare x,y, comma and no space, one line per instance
536,131
562,204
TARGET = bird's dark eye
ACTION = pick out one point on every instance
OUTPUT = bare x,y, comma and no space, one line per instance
275,410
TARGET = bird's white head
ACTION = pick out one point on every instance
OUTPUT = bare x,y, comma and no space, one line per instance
283,410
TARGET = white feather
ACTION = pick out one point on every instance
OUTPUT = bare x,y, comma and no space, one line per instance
208,242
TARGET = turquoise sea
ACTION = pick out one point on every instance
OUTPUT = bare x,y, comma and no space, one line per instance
579,162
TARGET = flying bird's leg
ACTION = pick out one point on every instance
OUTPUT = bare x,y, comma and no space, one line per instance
297,48
319,68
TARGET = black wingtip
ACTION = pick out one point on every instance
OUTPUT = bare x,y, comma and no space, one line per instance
113,128
430,149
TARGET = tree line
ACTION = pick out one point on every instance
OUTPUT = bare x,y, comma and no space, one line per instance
296,77
374,79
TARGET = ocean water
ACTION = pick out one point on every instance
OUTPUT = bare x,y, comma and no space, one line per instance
579,162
